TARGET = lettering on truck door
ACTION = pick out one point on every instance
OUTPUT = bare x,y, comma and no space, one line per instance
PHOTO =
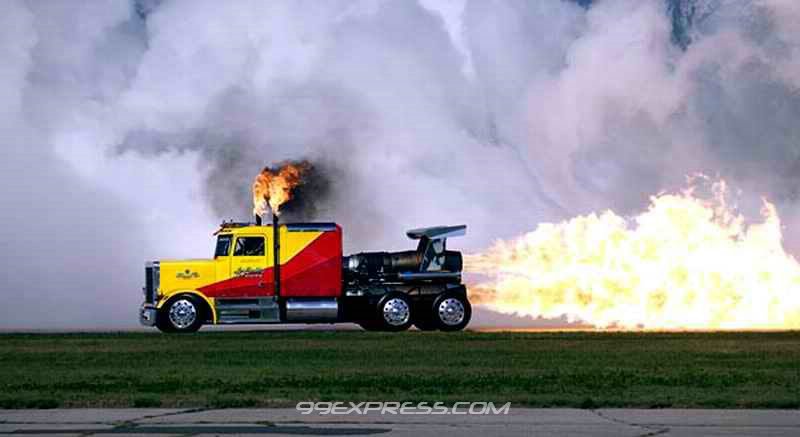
250,258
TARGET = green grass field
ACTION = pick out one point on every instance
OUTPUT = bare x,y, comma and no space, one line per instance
269,368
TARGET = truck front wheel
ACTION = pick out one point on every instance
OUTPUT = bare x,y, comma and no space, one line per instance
182,314
452,311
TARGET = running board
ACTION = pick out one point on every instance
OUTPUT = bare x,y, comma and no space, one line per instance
252,310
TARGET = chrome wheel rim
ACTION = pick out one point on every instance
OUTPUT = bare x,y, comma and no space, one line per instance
451,311
182,313
396,312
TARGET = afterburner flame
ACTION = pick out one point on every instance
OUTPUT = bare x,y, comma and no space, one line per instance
273,187
685,263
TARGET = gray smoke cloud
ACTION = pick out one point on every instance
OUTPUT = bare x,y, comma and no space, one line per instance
132,129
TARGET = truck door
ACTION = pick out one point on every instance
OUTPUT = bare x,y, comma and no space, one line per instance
222,257
248,262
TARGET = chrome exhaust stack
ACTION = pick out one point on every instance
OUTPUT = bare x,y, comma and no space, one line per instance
276,253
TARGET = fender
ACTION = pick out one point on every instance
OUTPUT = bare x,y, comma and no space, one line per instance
208,301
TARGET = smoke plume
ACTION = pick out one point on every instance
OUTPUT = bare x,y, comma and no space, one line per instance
132,129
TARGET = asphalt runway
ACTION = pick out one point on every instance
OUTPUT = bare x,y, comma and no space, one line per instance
289,422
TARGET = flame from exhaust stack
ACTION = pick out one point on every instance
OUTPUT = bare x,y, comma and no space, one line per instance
685,263
273,187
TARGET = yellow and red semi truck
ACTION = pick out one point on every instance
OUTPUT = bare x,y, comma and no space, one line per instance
295,273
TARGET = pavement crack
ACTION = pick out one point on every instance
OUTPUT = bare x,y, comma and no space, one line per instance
655,432
651,430
134,422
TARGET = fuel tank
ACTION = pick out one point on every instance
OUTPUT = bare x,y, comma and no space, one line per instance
312,310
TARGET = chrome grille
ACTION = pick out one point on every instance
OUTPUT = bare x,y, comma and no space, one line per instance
152,280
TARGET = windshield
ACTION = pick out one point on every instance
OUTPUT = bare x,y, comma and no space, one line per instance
223,245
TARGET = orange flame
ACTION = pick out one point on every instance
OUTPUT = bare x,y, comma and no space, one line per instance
273,187
685,263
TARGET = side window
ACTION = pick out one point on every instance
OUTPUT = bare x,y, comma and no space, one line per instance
223,245
249,246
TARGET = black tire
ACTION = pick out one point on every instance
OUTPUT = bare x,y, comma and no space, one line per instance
369,325
423,316
394,313
426,325
162,323
446,310
188,304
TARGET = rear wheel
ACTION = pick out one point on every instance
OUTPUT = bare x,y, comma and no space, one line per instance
182,314
452,311
394,312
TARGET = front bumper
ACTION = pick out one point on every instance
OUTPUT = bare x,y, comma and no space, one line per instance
147,314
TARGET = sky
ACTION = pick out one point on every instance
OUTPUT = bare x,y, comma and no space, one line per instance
131,129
